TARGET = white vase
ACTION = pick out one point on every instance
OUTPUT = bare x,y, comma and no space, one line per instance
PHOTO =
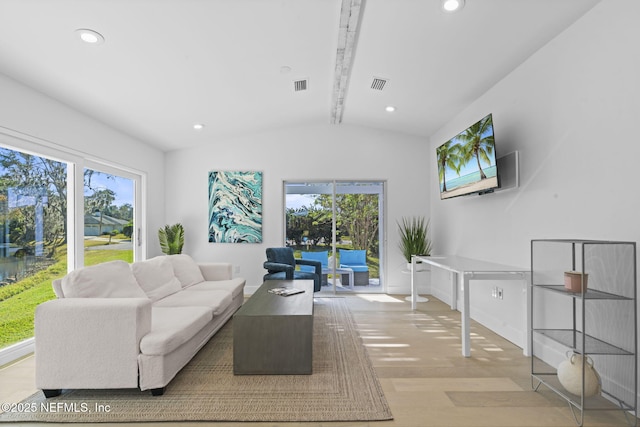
420,266
570,375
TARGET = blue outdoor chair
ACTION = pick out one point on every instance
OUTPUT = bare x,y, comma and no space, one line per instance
323,257
357,261
281,265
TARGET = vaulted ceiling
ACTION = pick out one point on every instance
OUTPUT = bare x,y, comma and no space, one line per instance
233,65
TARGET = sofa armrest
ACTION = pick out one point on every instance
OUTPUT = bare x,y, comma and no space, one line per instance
90,342
212,271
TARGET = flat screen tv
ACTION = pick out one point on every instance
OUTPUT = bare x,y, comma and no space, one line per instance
467,162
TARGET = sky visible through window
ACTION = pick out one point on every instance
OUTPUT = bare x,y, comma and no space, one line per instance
122,187
297,201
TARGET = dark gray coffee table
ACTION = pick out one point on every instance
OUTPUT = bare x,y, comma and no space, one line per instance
273,334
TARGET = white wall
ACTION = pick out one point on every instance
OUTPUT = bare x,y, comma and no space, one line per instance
43,120
306,153
571,110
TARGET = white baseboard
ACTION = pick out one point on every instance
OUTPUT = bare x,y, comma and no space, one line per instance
16,351
443,296
500,327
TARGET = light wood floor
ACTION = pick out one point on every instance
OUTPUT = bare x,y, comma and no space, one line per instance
425,379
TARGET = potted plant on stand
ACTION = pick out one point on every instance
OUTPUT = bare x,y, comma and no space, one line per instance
414,238
171,239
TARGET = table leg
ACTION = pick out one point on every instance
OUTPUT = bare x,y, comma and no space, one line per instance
465,318
526,348
453,279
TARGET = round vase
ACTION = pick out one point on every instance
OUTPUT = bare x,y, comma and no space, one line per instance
570,375
419,266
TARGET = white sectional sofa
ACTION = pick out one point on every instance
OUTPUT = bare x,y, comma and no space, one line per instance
120,325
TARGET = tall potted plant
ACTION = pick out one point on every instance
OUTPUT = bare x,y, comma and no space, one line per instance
171,239
414,237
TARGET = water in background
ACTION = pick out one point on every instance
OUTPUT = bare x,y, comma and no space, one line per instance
13,269
452,184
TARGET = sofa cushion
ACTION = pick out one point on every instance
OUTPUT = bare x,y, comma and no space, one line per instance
216,300
57,288
155,277
186,270
235,286
173,326
113,279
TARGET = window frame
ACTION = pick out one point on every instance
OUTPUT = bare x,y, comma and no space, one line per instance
76,163
334,185
139,246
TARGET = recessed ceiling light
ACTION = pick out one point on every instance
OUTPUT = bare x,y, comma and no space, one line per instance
452,5
198,126
90,36
390,109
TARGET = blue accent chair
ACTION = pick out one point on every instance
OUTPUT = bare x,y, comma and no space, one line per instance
357,261
323,257
281,265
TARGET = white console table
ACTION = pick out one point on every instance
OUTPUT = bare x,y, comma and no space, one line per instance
465,270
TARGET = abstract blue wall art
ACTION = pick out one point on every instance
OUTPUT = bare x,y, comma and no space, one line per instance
235,207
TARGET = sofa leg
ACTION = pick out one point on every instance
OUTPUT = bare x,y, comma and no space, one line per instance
51,392
157,391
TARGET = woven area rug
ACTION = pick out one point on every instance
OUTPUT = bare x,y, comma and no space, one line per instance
343,386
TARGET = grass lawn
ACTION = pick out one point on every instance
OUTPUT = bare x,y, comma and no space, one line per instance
19,300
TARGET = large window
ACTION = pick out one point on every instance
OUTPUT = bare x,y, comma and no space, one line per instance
33,238
57,215
108,217
339,223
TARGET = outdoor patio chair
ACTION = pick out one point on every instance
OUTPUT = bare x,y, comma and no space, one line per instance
323,257
357,261
281,265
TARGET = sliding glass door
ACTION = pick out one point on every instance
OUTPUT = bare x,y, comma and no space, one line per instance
340,224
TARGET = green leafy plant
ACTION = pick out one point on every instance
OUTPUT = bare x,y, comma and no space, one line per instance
171,239
414,238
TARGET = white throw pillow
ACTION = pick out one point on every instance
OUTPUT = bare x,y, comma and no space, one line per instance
155,277
186,270
112,279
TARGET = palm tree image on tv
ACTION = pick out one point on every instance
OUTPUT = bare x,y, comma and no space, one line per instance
449,156
467,162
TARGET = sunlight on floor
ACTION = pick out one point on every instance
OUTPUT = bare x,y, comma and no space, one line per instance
399,359
386,345
378,298
376,337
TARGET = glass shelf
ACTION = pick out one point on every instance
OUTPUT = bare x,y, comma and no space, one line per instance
590,294
573,340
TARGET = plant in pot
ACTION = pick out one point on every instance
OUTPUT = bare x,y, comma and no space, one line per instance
414,238
171,239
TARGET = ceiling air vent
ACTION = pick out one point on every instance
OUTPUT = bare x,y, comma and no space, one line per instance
300,85
378,83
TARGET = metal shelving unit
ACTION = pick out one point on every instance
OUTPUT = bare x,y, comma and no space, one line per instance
599,321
